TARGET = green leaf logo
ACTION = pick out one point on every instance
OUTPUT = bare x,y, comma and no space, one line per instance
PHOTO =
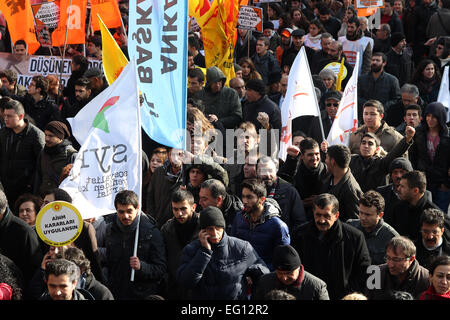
100,120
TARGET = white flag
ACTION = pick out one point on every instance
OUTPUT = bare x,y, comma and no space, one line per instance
444,93
300,99
110,158
346,120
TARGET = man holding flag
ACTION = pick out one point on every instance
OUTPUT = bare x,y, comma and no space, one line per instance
149,263
300,100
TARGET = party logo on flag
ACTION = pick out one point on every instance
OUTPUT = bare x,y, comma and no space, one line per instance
100,121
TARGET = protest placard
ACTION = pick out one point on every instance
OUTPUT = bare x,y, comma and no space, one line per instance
59,223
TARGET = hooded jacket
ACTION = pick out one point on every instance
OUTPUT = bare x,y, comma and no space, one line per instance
266,233
225,104
436,170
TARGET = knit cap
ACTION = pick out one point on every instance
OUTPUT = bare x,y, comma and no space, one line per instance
58,128
285,258
211,216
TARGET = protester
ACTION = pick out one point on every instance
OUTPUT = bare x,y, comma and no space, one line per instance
440,280
401,272
149,264
290,276
216,266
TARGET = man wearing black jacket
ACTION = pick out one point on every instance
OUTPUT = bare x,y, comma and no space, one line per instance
150,263
308,172
415,200
342,183
332,250
435,236
18,241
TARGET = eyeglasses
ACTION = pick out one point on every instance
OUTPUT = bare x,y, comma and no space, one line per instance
236,88
434,232
396,260
332,104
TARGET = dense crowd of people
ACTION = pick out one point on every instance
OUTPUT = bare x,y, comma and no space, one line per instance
367,221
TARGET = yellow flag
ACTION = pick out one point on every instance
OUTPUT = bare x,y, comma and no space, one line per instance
339,78
113,58
218,27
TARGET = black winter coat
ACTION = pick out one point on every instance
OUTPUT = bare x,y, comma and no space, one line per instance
436,170
151,253
348,193
406,218
309,287
340,258
19,242
18,156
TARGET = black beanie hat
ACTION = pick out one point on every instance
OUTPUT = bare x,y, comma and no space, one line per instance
400,163
285,258
257,85
211,216
396,37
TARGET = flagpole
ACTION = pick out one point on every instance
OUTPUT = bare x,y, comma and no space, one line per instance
315,95
65,44
136,238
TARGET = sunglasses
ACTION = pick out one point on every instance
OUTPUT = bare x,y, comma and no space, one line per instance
332,104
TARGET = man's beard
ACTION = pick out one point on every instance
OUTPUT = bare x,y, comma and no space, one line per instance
375,69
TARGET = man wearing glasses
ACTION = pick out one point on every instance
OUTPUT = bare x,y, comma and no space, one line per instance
435,236
401,272
331,100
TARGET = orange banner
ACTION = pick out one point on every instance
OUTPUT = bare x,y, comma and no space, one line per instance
76,24
108,10
19,16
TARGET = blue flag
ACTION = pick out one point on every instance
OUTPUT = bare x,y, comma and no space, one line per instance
157,37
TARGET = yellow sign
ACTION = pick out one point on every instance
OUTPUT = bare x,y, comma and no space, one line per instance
59,223
335,66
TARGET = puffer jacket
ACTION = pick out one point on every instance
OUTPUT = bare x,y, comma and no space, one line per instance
151,253
220,273
225,104
265,234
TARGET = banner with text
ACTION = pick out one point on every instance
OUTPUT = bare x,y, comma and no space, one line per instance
29,66
110,157
157,37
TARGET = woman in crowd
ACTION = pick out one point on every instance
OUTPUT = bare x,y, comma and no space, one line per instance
440,280
299,20
312,38
428,79
248,69
27,207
